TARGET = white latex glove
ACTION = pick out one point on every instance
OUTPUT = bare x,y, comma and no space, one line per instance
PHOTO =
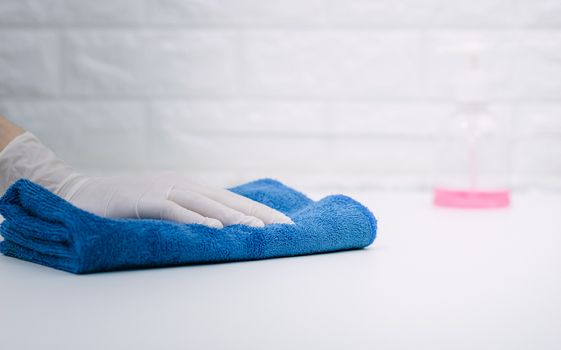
165,196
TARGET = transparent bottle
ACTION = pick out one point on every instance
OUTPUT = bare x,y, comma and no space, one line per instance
473,153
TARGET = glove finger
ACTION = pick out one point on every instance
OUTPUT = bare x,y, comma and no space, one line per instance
245,205
210,208
168,210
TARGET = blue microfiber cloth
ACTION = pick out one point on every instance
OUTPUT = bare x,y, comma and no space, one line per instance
43,228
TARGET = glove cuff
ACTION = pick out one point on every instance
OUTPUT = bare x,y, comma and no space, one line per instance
25,157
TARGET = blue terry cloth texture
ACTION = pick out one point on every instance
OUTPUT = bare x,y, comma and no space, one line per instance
43,228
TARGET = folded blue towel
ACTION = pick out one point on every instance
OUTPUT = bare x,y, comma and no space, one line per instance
43,228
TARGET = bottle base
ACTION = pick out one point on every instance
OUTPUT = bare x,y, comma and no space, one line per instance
473,199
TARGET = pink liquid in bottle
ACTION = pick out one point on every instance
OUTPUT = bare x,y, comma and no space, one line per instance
474,162
471,199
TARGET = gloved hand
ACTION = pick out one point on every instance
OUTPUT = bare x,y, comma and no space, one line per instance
165,196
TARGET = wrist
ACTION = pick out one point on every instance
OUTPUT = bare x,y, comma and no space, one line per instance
8,132
25,157
71,185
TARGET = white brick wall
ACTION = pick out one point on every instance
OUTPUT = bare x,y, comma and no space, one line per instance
319,93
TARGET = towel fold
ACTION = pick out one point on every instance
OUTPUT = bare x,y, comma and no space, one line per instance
43,228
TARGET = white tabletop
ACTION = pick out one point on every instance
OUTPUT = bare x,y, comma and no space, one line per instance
435,279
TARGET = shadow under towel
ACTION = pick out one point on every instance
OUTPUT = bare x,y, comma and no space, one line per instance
43,228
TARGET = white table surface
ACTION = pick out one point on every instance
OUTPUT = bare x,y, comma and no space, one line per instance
435,279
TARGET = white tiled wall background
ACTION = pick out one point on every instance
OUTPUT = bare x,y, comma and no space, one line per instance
318,93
